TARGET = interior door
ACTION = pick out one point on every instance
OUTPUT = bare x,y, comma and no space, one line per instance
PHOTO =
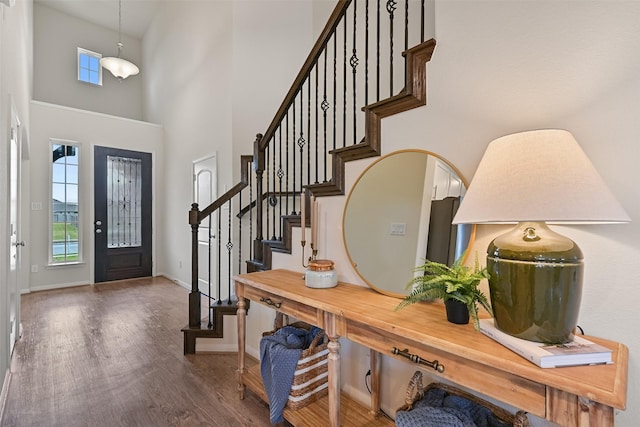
122,224
14,231
204,193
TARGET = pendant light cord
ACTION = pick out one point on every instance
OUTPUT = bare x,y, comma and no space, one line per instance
119,27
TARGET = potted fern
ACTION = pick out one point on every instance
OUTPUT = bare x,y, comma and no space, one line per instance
457,286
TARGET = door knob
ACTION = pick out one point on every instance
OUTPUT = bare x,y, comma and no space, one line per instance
98,230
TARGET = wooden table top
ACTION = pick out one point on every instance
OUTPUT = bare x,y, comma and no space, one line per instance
426,323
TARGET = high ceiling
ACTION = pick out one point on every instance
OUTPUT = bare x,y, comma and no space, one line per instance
136,14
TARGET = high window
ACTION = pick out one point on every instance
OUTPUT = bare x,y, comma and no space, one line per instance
89,69
65,232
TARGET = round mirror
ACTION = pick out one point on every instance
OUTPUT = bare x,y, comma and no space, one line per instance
398,213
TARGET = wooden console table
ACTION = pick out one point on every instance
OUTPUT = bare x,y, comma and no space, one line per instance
572,396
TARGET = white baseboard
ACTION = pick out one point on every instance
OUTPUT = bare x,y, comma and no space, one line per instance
181,284
176,281
4,393
356,394
210,345
57,286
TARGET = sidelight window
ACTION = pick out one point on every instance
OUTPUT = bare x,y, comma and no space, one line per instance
65,230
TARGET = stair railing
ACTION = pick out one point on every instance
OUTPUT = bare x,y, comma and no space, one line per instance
369,62
354,75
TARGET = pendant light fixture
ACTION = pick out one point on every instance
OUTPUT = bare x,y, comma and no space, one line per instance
119,67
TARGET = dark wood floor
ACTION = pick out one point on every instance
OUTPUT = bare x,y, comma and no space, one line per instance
111,355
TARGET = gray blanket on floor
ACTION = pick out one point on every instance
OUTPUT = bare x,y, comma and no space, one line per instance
438,409
279,355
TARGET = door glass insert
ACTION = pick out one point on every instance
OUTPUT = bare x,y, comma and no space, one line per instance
124,202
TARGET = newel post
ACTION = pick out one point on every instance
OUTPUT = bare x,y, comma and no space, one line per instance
194,295
258,166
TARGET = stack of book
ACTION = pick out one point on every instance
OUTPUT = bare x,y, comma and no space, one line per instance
578,352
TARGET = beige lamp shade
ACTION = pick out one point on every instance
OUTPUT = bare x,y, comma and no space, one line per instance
540,175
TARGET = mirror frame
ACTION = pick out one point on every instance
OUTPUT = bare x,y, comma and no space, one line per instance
354,265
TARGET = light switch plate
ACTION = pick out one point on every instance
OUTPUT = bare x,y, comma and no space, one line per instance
397,229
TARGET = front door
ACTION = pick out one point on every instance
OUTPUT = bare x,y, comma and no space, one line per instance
122,222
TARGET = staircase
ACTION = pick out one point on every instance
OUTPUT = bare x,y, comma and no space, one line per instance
331,115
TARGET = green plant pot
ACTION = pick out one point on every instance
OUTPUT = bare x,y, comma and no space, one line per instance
457,312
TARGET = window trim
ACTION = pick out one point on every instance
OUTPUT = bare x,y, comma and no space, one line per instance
82,51
51,262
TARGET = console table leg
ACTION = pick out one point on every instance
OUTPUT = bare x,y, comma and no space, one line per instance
374,365
242,329
568,409
334,380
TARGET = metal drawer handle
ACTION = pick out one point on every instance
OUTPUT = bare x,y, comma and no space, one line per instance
269,301
417,359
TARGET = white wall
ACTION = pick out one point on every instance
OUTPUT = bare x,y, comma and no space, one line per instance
87,129
501,67
56,39
16,58
216,82
266,59
189,93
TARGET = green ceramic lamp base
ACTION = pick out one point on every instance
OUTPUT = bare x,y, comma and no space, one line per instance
535,283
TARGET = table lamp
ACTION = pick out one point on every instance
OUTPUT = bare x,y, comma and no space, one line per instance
531,178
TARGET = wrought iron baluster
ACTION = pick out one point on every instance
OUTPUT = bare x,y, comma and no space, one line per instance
378,54
366,52
209,266
406,25
229,256
240,233
301,144
335,101
280,176
309,128
259,198
335,93
344,84
293,160
353,61
391,7
406,33
219,243
421,21
250,178
324,113
286,175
